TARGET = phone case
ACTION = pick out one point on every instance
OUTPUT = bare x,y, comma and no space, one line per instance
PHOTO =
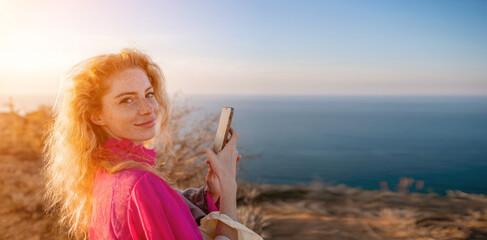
224,124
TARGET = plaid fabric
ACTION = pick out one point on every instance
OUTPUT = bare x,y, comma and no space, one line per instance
196,200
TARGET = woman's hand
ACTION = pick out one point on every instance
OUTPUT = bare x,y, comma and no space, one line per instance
212,182
223,166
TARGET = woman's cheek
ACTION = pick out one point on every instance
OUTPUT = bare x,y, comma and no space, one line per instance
126,114
155,106
127,109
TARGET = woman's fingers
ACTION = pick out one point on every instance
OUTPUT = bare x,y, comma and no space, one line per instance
213,160
233,138
210,154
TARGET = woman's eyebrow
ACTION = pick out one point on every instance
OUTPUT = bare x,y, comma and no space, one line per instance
131,93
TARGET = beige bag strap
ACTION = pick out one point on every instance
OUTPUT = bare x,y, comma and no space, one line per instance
209,222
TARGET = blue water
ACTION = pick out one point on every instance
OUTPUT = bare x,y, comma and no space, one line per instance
360,141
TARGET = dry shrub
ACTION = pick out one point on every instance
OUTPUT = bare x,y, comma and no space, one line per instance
393,222
250,212
189,142
23,134
252,216
21,209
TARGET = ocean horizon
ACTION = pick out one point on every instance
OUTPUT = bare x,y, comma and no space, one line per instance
361,141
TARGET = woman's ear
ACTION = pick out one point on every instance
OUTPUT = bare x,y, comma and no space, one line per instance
97,119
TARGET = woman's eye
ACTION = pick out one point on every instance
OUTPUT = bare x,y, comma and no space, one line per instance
126,100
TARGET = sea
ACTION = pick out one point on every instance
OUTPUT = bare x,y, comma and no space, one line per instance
432,143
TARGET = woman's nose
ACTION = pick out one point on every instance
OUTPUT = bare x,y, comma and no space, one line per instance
145,107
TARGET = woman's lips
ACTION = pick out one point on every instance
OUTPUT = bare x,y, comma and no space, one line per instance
147,124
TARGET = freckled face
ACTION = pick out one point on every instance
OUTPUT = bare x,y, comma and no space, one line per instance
129,107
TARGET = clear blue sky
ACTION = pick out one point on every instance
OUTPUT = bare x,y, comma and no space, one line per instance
260,47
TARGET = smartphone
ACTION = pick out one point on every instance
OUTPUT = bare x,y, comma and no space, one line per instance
222,131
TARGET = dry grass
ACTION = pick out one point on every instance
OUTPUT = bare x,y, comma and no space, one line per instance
21,209
340,212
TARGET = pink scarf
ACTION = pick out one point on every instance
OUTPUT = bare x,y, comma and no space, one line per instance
136,204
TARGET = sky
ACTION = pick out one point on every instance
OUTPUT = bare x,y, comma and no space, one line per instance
256,47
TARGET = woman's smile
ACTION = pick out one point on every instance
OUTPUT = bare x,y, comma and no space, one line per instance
147,124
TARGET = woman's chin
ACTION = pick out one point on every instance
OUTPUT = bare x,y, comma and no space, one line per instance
142,136
149,135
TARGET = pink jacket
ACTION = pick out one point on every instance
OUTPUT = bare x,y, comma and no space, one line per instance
136,204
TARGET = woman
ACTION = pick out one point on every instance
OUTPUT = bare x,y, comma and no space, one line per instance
100,167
